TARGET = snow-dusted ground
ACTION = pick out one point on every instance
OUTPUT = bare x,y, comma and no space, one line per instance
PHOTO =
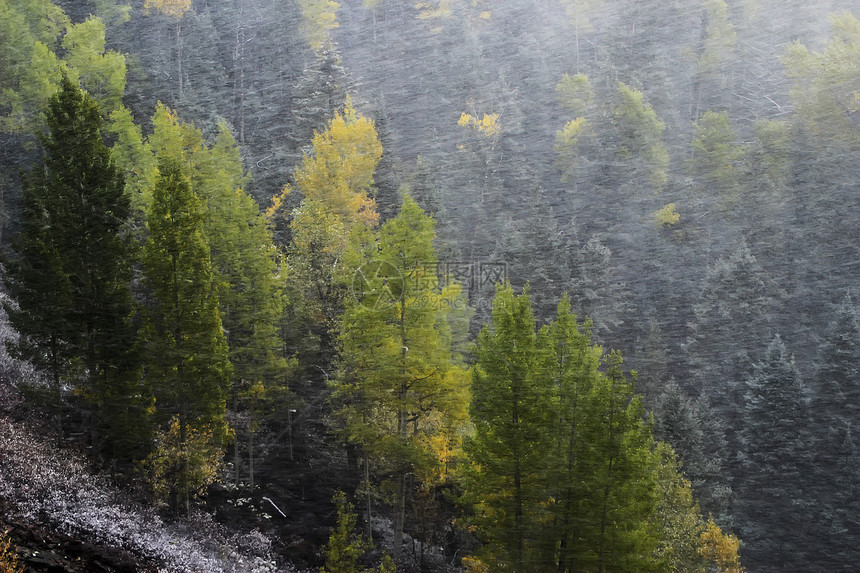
54,488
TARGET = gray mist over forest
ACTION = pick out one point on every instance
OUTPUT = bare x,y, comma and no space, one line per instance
687,172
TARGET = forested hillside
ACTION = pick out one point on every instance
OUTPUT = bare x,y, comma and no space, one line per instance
466,285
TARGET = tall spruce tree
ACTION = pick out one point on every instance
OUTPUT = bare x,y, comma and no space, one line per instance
510,448
775,462
187,351
836,416
401,385
73,270
187,364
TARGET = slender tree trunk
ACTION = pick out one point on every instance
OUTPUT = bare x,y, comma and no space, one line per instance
237,460
608,487
400,496
179,55
251,451
367,491
518,548
400,516
58,391
696,100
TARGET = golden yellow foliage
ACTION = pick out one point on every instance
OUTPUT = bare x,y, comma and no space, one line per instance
8,557
339,173
667,216
185,461
474,565
488,125
318,18
277,203
720,548
570,134
171,8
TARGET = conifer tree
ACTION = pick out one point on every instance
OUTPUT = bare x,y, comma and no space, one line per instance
736,290
402,387
187,348
564,471
509,450
775,458
250,289
836,418
187,355
74,267
698,438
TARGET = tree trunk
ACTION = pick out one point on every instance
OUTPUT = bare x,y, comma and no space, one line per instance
367,491
399,517
251,451
400,495
58,391
179,55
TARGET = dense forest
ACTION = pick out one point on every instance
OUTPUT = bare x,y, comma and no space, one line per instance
451,285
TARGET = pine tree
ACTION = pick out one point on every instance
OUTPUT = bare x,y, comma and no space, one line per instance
775,460
74,268
246,274
187,355
835,420
572,366
696,435
509,450
564,471
736,290
401,386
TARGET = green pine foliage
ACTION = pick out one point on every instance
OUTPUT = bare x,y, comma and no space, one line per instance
187,366
73,270
401,390
346,547
511,414
775,454
564,472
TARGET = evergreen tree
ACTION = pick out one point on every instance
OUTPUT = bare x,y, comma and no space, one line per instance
736,290
621,534
775,461
401,385
509,450
246,274
697,436
572,366
837,382
563,469
533,252
187,350
187,355
836,419
74,268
